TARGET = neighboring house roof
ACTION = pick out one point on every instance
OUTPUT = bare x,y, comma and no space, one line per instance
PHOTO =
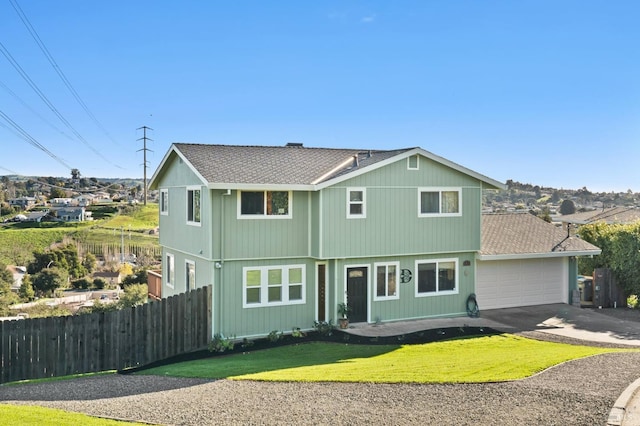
292,167
610,216
37,216
523,235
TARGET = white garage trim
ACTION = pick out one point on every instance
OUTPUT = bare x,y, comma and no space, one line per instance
522,282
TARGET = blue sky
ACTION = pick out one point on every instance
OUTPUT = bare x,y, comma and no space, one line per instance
541,92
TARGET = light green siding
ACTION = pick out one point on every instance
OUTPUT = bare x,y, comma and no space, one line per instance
264,237
175,233
392,225
408,305
204,272
234,319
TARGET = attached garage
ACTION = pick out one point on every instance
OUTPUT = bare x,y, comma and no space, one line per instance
522,282
525,261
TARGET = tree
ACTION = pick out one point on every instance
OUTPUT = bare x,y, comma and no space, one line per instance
26,291
139,277
134,295
620,245
89,262
48,280
57,193
567,207
64,258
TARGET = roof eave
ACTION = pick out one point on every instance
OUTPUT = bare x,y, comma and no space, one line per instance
519,256
153,184
260,186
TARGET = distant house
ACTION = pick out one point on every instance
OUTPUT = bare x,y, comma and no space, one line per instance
18,273
112,278
60,202
37,216
23,202
84,200
609,215
73,214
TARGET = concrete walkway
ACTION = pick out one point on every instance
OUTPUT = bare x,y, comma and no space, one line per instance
558,319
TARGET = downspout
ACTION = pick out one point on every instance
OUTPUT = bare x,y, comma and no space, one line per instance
220,264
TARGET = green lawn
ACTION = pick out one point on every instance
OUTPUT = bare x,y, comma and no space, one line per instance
26,415
470,360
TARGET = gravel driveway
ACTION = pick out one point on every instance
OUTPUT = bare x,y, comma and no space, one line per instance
580,392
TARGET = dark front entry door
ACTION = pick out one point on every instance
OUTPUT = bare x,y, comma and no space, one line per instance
357,294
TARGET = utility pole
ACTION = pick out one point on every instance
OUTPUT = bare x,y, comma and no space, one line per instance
144,151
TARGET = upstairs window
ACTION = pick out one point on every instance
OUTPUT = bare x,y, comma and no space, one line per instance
356,203
164,201
439,202
260,204
193,206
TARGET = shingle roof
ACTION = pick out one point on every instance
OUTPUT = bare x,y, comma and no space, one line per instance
526,234
610,215
275,165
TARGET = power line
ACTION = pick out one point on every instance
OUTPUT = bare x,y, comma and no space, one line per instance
57,69
20,132
24,104
52,107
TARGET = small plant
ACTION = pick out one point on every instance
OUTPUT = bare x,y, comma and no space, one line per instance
344,310
323,328
632,302
219,343
297,333
274,336
246,343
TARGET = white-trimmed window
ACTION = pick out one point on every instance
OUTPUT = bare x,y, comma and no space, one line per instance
439,202
356,203
386,281
193,205
413,162
190,275
436,277
273,285
170,270
261,204
164,202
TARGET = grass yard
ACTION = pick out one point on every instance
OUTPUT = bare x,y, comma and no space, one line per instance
26,415
493,358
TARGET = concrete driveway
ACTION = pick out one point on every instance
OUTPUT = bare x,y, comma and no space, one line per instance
568,321
559,319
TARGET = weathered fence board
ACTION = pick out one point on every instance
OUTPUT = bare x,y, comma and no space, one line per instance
49,347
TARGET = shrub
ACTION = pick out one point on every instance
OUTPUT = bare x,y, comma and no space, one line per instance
297,333
274,336
323,328
219,343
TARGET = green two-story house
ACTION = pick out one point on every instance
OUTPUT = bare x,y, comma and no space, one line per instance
285,234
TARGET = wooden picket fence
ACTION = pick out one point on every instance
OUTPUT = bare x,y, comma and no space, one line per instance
49,347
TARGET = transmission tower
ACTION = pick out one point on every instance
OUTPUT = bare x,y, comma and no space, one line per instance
144,150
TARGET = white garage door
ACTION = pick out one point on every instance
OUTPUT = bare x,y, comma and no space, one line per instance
523,282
